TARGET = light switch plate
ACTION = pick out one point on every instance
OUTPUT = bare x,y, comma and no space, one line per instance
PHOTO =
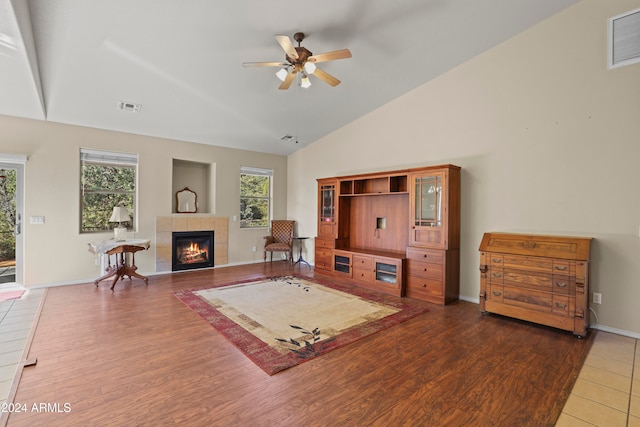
36,220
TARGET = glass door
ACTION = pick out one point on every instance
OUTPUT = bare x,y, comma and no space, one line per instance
327,200
427,198
11,184
428,201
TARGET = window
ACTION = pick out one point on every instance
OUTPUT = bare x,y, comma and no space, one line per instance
255,197
106,180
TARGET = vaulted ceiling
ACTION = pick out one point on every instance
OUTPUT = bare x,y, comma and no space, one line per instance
73,61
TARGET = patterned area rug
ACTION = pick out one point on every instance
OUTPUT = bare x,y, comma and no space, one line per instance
9,295
280,322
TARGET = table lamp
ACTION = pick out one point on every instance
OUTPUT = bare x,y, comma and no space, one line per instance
120,214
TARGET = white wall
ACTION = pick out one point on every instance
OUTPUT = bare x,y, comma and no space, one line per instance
57,253
548,140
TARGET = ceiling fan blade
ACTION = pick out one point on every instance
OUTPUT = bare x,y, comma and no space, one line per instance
326,77
331,56
264,64
287,45
287,81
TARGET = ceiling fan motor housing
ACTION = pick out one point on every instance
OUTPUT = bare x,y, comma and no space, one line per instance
303,56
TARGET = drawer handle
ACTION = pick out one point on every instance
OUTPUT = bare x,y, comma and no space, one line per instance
424,269
561,284
496,260
424,285
561,305
425,255
496,293
497,274
560,267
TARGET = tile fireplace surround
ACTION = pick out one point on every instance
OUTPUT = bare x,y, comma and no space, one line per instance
165,225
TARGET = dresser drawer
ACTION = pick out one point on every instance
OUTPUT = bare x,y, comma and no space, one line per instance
417,286
495,293
496,276
564,267
563,305
425,270
527,279
528,298
528,263
364,275
325,243
564,285
496,260
424,255
360,261
323,258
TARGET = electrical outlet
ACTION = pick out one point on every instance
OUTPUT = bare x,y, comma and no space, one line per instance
255,249
597,298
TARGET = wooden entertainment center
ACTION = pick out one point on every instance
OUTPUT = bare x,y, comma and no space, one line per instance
397,232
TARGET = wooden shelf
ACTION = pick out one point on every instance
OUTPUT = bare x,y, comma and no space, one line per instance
370,186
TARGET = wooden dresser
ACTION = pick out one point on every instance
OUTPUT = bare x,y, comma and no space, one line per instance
541,279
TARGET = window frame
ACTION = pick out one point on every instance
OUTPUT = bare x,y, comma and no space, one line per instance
246,170
109,159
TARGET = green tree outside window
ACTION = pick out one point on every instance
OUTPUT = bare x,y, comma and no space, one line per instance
255,198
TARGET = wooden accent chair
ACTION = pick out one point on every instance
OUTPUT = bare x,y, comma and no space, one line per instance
281,239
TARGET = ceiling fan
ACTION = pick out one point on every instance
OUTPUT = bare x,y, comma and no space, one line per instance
299,60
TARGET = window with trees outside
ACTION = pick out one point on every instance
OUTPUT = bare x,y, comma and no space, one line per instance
255,197
107,180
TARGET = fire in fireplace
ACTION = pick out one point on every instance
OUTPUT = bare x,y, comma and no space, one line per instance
192,249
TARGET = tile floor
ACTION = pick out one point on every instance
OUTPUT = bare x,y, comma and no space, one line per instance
607,392
16,318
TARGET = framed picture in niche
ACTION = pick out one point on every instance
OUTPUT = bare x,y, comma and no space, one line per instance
186,201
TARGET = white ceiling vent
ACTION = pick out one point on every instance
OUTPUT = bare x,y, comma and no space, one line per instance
128,106
624,39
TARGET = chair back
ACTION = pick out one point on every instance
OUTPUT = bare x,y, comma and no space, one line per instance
282,231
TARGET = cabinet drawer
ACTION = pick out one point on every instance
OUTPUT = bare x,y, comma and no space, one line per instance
528,263
325,243
564,285
564,267
360,261
563,305
495,293
363,275
422,255
324,259
528,298
417,286
425,270
496,259
496,276
527,279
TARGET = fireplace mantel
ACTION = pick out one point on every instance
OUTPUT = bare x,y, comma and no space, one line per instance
165,225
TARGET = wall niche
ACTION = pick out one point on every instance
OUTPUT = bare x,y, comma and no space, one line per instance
197,177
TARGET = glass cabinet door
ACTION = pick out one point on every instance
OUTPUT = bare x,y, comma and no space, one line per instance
327,203
428,201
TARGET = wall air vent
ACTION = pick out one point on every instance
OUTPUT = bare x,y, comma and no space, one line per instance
129,106
624,39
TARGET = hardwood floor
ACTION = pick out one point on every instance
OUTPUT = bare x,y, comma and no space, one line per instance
138,356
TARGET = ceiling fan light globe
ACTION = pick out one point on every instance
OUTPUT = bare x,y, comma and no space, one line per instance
309,67
305,82
282,74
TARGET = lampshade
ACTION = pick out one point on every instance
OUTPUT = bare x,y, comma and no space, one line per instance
120,214
305,82
282,74
309,67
